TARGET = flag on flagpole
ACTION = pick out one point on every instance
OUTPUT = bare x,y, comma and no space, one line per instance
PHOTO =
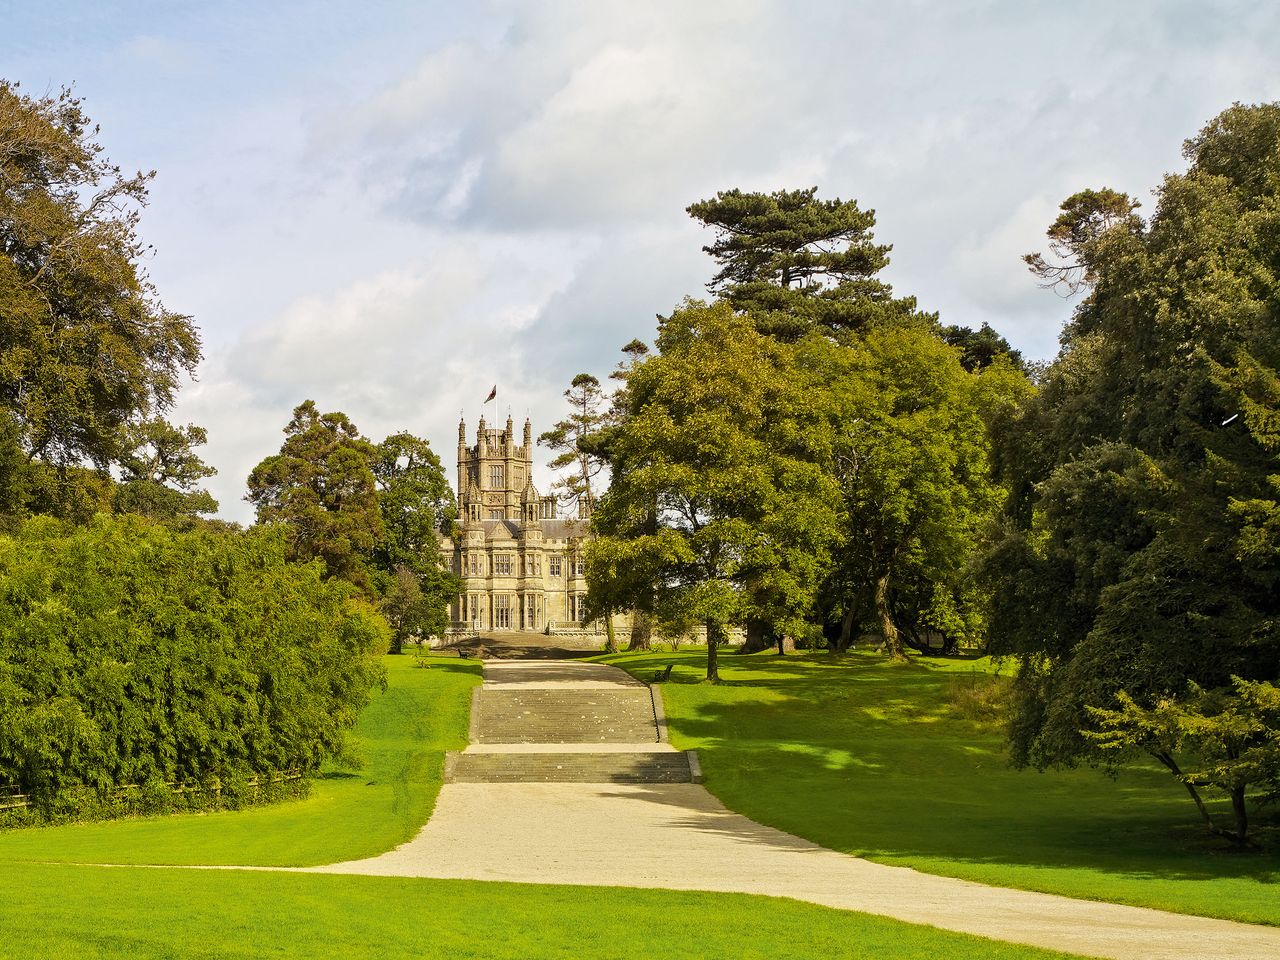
492,393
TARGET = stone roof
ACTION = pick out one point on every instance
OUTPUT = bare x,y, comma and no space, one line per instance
551,529
564,529
501,529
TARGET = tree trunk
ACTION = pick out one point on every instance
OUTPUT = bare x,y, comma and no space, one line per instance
611,640
847,623
1242,815
892,642
757,636
1168,761
785,645
715,636
641,631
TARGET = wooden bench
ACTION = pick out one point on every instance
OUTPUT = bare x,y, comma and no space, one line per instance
664,675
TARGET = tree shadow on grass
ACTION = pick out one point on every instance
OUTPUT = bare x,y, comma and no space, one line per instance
865,784
867,757
702,811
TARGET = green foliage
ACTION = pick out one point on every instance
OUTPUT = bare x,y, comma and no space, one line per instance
717,508
982,347
416,506
372,512
86,347
131,653
366,801
1141,551
1074,237
321,489
1234,736
571,439
898,420
160,470
797,263
907,428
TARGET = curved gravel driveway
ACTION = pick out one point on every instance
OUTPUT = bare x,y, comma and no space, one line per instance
678,836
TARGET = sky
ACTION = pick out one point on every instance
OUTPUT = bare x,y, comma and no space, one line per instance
388,208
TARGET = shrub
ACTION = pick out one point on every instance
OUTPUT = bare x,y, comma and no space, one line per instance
135,654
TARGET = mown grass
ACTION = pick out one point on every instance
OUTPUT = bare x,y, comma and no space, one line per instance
351,813
60,911
902,764
50,912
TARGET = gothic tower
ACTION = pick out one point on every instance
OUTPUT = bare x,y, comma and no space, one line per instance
521,566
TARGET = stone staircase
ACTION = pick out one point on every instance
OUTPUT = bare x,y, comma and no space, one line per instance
565,722
669,767
601,715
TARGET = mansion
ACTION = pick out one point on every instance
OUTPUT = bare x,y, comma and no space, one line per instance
520,564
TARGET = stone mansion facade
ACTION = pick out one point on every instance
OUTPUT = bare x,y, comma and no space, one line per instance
521,565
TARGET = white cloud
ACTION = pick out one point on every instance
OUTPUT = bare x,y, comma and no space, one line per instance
387,213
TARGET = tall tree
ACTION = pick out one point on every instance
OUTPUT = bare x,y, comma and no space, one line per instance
572,438
908,428
801,267
712,437
980,348
796,262
639,601
321,488
416,506
86,346
160,471
1137,556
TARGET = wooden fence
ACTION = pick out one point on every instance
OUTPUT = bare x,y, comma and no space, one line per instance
16,801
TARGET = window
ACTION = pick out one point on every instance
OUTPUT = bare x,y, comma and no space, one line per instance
553,565
531,619
502,564
496,515
575,606
496,478
502,612
577,565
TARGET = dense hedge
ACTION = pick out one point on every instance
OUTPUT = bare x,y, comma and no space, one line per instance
134,654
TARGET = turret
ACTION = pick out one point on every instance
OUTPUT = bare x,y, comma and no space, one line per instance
528,434
462,462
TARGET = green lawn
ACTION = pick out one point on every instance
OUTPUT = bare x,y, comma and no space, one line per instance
871,758
79,913
401,739
59,908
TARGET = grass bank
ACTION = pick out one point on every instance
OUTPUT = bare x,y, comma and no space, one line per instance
75,912
880,760
351,813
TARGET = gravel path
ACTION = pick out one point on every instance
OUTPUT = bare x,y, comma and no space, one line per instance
678,836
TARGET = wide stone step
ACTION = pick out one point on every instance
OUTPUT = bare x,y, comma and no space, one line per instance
669,767
618,715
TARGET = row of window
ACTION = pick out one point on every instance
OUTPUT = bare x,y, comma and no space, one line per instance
508,613
505,565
